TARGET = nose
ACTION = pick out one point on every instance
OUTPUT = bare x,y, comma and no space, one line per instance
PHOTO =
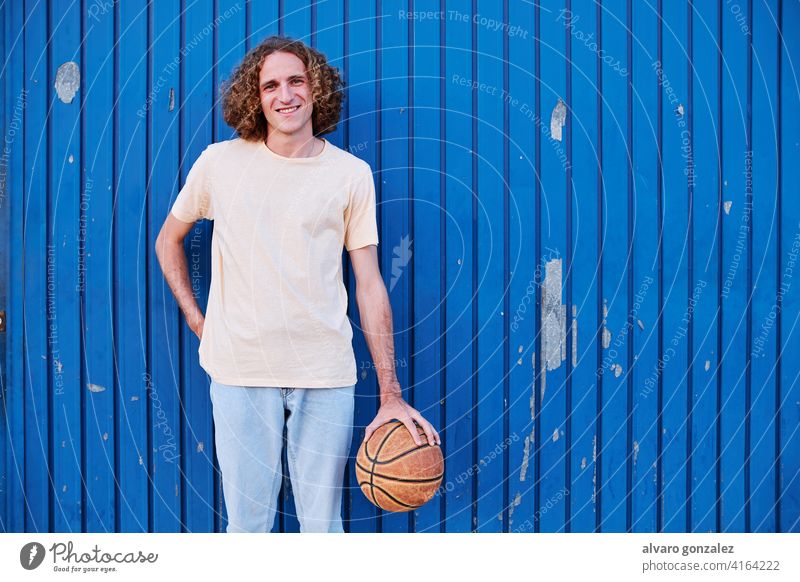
285,93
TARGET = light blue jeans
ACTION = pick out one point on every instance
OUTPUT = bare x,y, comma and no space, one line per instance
248,431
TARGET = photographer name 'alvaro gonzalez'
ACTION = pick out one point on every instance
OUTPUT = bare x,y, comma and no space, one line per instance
64,551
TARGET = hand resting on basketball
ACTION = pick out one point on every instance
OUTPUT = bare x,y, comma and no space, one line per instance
395,407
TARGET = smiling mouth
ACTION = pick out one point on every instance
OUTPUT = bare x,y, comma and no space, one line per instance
288,110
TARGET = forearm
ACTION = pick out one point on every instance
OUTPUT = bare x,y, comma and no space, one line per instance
172,259
376,321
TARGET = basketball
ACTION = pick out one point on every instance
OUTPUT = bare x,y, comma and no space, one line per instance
394,472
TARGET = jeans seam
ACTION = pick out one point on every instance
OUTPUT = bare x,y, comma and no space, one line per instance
293,473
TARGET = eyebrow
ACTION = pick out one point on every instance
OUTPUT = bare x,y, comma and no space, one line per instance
291,78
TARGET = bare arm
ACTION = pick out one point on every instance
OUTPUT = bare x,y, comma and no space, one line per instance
172,258
376,319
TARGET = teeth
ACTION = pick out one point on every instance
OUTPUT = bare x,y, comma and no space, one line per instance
288,109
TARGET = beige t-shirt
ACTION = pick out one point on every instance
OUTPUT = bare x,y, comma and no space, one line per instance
277,308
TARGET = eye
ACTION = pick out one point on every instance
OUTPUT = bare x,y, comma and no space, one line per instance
298,81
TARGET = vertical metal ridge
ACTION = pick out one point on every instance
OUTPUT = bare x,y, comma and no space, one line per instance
114,266
475,290
660,321
690,267
149,318
599,394
442,249
378,152
412,236
720,254
749,309
506,268
537,487
571,339
82,371
629,271
779,253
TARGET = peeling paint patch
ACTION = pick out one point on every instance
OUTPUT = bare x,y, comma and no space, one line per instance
555,435
708,365
635,451
594,471
617,370
554,317
574,336
96,388
640,323
557,119
171,98
517,501
727,206
583,463
525,458
606,336
68,80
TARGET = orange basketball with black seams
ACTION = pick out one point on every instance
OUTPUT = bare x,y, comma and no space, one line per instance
394,472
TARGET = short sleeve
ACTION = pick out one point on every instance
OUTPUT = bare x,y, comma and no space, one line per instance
360,220
194,200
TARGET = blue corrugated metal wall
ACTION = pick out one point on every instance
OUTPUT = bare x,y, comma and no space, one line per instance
589,229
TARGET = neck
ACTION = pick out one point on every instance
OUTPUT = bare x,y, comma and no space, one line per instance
294,146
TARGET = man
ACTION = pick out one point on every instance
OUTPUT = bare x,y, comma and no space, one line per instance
275,339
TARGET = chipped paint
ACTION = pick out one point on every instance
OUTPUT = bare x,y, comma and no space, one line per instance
201,447
525,459
617,370
583,462
554,317
727,206
708,365
594,472
574,336
171,98
68,80
96,388
606,335
679,110
517,501
555,435
640,324
635,451
557,119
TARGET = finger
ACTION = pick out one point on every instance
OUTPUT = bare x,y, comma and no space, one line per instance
409,423
426,426
369,430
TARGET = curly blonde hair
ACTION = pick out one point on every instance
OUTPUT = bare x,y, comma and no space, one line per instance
240,94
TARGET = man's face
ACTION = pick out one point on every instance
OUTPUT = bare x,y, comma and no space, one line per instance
286,94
